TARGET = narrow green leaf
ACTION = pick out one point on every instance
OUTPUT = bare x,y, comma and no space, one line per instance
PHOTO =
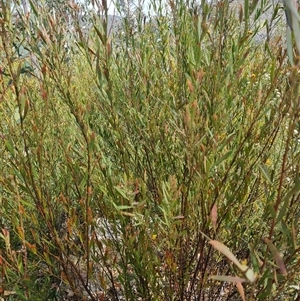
27,204
265,172
20,264
121,192
290,7
92,141
283,210
17,116
287,198
271,210
228,139
10,147
32,6
223,158
246,16
269,285
253,6
100,35
123,207
296,29
289,45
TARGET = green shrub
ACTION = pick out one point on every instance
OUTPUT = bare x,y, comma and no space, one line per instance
128,159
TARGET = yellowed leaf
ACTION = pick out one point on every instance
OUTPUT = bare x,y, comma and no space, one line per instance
214,216
241,290
226,252
228,278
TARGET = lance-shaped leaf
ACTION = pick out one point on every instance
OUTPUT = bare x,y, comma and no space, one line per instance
226,252
241,290
237,280
292,17
250,275
276,256
214,216
228,279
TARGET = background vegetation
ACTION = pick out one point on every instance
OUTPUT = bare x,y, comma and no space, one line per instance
129,161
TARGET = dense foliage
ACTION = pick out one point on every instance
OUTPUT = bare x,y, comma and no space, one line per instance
130,160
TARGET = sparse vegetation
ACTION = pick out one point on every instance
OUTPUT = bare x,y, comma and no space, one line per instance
129,161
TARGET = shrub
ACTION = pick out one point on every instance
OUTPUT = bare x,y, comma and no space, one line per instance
128,158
